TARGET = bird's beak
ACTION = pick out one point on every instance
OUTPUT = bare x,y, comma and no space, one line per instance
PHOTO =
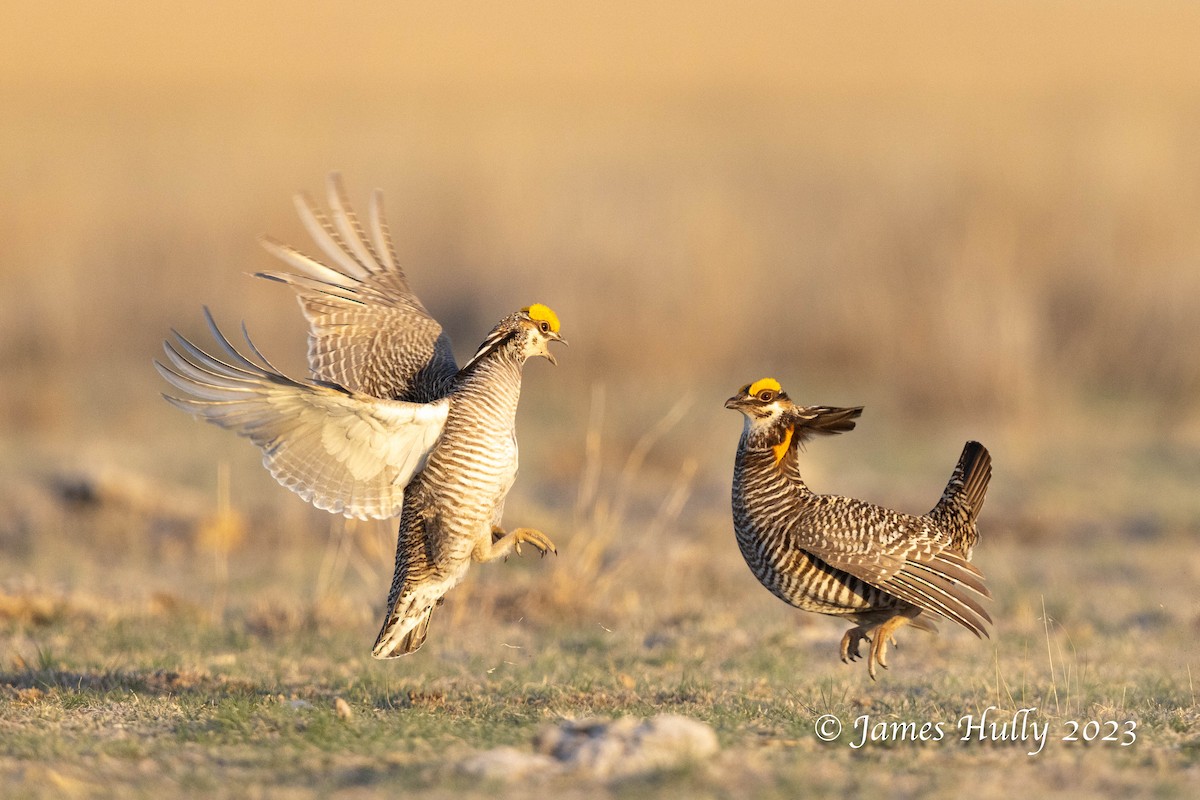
734,402
553,337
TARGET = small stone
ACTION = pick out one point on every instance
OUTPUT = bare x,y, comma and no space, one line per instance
342,708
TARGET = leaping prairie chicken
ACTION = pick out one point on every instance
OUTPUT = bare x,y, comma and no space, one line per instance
388,424
835,555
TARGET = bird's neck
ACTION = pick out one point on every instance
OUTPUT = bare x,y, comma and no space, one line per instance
493,378
768,458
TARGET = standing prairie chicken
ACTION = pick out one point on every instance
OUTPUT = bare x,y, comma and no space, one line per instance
834,555
388,424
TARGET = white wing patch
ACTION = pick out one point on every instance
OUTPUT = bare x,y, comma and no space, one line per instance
342,451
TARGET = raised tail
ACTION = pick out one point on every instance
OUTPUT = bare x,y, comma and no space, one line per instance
968,485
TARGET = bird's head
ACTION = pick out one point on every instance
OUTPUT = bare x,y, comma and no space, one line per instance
538,326
522,335
764,403
773,420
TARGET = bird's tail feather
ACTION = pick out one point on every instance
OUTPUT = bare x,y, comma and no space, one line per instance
968,485
403,631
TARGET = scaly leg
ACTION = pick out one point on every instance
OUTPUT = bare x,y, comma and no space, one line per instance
850,642
502,542
883,634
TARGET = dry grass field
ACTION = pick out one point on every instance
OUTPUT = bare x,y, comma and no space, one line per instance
977,220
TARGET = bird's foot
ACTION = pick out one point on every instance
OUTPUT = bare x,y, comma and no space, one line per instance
884,634
535,538
850,643
504,541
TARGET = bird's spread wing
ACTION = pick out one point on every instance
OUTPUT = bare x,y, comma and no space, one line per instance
901,554
342,451
367,331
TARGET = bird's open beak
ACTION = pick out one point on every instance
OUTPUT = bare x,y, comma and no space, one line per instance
554,337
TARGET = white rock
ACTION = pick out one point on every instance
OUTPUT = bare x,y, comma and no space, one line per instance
628,746
507,764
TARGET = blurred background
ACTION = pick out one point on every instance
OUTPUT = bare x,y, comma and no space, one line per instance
976,219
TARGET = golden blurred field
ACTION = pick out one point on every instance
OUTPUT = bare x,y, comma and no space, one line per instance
976,219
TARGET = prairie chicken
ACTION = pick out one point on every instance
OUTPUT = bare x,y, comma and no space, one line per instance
388,424
834,555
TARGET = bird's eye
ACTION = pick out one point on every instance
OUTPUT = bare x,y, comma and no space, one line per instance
766,395
544,326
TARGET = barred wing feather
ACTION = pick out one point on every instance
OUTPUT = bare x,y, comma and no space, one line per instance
905,556
368,332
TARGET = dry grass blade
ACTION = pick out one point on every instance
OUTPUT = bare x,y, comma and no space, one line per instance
595,567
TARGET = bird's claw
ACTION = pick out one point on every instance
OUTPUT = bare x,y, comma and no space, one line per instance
884,635
851,642
528,536
534,538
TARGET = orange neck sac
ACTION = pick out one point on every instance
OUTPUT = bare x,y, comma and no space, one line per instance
782,448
